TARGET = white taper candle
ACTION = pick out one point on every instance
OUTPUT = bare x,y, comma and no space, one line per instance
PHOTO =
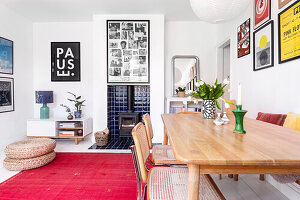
239,99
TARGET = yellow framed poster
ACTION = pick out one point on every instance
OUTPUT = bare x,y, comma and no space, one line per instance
289,33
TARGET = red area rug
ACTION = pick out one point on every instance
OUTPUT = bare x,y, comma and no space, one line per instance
84,176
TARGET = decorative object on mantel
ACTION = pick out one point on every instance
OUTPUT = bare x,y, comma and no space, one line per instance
65,61
68,110
44,97
180,91
6,94
239,113
128,57
210,94
218,11
218,121
78,105
6,56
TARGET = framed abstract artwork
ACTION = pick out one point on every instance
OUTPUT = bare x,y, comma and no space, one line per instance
282,3
6,56
262,12
263,47
6,94
128,56
65,61
289,33
243,39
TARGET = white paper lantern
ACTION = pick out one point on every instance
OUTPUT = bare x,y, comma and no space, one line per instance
218,11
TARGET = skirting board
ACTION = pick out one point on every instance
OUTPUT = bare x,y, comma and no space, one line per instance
290,190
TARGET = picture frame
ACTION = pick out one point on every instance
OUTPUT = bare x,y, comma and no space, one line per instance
65,62
7,94
263,47
128,51
243,39
282,3
262,12
288,35
6,56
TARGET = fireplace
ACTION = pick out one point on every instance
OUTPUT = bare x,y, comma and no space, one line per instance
128,119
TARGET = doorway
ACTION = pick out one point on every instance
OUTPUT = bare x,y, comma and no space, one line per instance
223,68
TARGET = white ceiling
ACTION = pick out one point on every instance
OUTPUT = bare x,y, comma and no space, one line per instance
83,10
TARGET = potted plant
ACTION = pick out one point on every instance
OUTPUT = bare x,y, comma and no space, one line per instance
68,110
78,104
180,91
209,94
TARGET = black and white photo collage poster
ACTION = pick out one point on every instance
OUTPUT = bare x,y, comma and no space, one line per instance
128,51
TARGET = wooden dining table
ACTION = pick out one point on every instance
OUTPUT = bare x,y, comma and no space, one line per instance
210,149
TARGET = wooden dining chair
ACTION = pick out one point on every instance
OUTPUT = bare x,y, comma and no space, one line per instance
161,154
165,182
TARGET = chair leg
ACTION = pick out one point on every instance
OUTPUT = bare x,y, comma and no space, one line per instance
220,176
235,177
144,191
262,177
230,175
165,142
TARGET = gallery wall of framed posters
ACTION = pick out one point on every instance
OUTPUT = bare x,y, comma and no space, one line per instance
289,33
243,32
262,12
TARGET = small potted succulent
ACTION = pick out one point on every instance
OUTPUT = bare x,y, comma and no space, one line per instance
68,110
78,104
180,91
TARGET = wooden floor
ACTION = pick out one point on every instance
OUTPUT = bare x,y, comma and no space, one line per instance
247,188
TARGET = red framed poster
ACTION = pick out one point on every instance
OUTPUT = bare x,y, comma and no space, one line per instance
262,12
243,32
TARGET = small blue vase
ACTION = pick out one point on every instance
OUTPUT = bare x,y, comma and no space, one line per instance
77,114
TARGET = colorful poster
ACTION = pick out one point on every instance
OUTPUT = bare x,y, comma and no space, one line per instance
289,33
282,3
262,12
128,58
263,56
244,39
6,56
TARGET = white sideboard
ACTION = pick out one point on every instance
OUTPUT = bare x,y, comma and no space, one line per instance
50,128
179,102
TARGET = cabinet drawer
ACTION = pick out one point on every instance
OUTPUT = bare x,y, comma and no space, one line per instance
41,128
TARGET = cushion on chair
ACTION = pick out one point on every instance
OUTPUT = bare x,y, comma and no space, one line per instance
277,119
163,154
292,121
28,163
30,148
171,183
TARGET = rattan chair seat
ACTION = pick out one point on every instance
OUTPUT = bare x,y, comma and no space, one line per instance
28,163
171,183
164,154
30,148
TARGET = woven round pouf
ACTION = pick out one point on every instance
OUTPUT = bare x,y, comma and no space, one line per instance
30,148
29,163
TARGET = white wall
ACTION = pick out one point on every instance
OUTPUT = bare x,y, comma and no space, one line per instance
190,38
18,29
156,70
44,34
274,90
270,90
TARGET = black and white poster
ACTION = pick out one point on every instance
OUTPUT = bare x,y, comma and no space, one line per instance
263,56
128,51
65,61
6,94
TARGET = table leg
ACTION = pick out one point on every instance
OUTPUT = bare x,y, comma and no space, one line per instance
165,138
193,182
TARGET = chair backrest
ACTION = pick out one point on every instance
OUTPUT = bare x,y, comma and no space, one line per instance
149,130
231,107
142,149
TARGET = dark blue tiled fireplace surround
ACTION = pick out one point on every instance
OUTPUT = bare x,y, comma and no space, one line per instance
117,102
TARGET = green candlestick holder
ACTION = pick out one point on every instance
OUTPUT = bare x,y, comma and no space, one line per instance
239,114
